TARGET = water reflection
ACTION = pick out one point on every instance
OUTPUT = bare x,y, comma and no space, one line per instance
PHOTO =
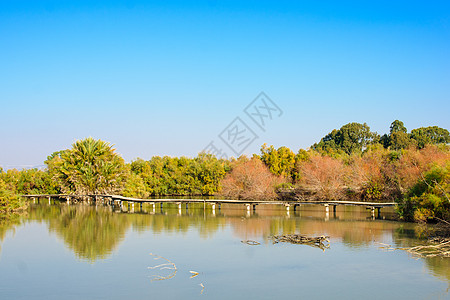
8,223
409,235
94,232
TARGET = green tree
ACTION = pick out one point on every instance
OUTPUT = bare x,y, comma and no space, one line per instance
398,137
397,126
9,199
176,175
385,141
89,167
280,161
352,137
430,135
399,140
429,198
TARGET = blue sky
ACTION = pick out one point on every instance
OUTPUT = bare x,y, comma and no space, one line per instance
166,77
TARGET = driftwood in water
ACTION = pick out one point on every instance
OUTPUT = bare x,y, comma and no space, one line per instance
169,266
251,242
437,247
302,239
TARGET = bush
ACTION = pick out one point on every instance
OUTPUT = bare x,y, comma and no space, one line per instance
9,200
428,199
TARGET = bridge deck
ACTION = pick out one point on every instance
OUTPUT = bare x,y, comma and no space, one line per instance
231,201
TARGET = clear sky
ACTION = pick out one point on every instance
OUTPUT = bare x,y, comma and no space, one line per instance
166,77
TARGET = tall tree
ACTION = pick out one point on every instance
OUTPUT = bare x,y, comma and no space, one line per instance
352,137
89,167
399,140
398,137
430,135
397,126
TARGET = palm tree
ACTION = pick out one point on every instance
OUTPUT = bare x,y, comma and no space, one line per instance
90,167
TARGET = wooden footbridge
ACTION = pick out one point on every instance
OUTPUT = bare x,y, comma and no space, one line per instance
249,204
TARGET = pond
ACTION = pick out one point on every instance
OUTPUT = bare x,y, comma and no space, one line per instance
59,251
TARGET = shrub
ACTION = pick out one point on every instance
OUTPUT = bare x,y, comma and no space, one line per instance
429,197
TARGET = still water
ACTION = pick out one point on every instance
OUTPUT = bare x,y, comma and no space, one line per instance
87,252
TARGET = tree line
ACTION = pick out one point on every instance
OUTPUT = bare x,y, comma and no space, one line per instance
348,163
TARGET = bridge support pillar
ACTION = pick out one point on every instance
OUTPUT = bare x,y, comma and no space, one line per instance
372,212
248,209
327,208
49,198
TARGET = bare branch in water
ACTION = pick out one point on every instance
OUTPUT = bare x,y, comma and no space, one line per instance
194,274
251,242
163,267
438,247
318,242
170,266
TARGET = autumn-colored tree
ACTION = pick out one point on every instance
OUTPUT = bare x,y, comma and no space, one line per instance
407,169
323,176
365,176
250,179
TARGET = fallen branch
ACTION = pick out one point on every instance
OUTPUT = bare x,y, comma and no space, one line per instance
194,274
437,247
203,288
251,242
169,265
302,239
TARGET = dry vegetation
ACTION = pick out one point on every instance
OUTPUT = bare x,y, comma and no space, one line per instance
377,174
250,179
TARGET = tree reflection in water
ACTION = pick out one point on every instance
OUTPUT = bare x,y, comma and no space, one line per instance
93,233
8,223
